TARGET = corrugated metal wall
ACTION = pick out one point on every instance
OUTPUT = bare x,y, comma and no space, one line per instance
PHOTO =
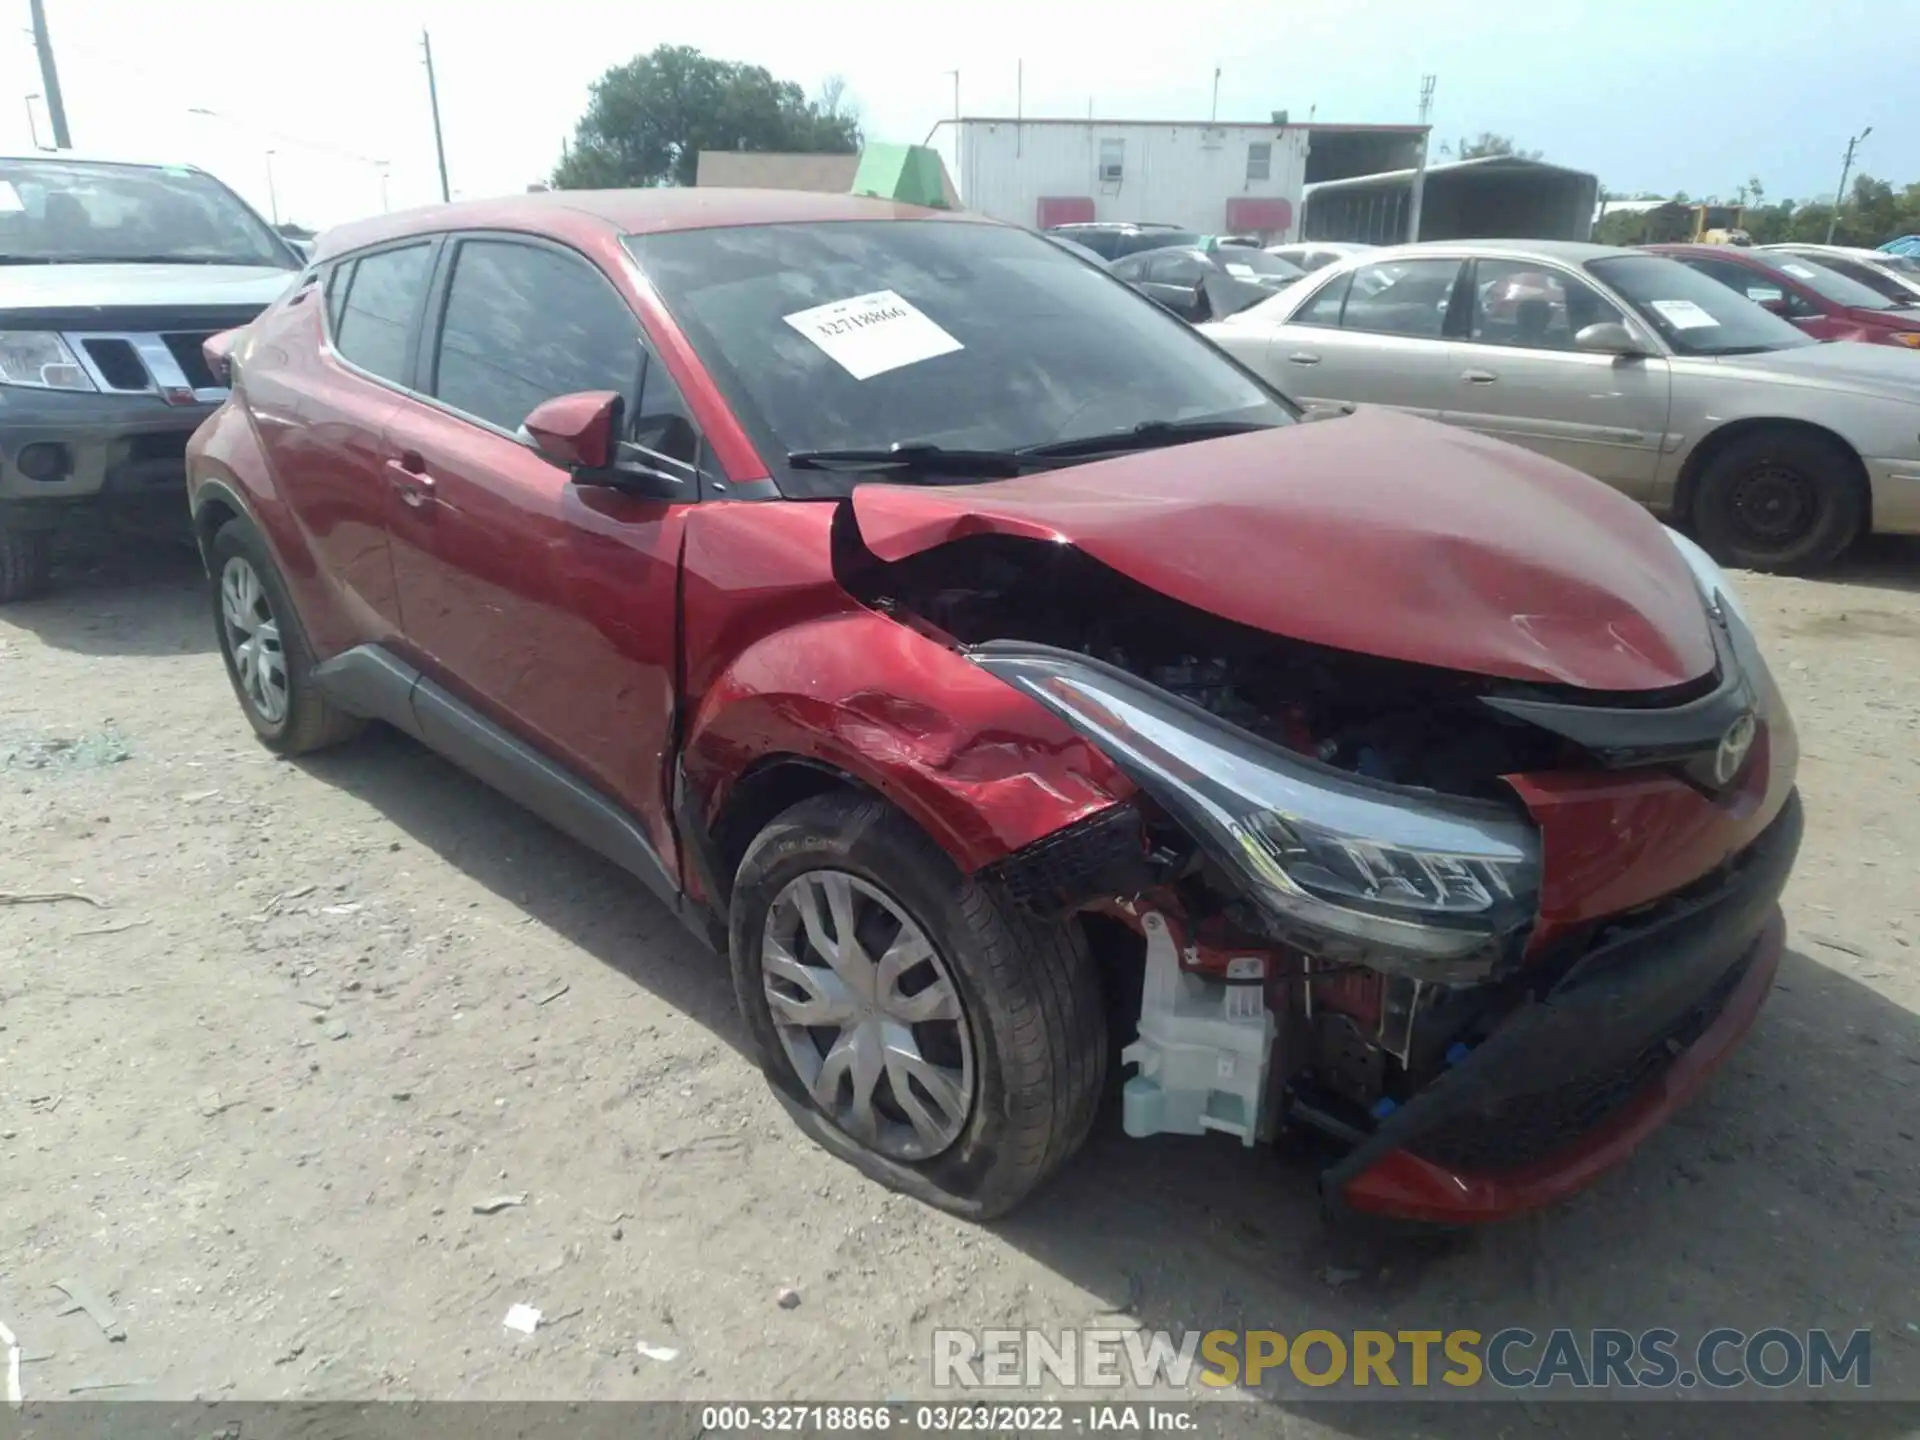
1174,174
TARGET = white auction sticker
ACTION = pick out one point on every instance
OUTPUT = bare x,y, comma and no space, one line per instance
1684,314
1799,270
872,334
1245,272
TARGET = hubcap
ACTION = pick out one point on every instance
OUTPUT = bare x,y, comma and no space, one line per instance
1774,506
253,639
867,1012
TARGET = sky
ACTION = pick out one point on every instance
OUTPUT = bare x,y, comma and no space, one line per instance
1654,95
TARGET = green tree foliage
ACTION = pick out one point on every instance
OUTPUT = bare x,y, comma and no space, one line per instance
1485,144
1874,213
648,120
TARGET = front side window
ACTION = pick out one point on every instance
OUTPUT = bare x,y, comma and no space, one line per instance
1693,314
1756,285
1402,297
525,323
380,307
79,212
863,335
1533,307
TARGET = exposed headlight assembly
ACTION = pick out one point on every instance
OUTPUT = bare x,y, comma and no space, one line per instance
41,359
1402,880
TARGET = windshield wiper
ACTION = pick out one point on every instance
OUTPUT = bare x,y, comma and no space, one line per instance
917,459
1148,435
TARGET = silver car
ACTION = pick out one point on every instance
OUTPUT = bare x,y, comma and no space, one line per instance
1897,277
1776,450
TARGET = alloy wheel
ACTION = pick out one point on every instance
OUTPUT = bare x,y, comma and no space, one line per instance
252,635
868,1013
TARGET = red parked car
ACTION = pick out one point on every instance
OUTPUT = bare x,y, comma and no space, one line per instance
1001,675
1822,302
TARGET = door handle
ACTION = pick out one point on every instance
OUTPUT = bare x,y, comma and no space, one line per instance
1303,357
408,475
1478,377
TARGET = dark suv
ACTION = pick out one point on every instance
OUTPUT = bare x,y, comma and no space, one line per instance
1111,239
1002,677
112,277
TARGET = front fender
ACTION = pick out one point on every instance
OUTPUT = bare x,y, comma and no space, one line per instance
981,768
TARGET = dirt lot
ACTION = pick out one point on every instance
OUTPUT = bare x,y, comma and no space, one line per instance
325,1007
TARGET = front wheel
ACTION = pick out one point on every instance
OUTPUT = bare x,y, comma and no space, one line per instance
1779,500
26,562
914,1024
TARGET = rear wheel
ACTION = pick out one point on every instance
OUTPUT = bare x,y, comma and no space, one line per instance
915,1025
26,562
268,658
1779,500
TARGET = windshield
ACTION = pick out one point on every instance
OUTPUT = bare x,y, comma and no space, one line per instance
869,334
1693,313
1245,262
1832,285
72,212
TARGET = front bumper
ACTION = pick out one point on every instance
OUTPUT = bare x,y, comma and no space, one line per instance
1896,495
1571,1083
117,445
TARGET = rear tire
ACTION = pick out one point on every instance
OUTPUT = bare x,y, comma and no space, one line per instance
1029,1005
1779,500
268,658
26,562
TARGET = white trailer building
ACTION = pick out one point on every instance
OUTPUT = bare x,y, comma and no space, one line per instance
1214,178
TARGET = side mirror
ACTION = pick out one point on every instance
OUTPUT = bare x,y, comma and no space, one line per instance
581,434
1609,337
576,432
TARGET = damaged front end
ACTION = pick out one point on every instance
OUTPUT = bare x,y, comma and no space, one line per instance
1348,884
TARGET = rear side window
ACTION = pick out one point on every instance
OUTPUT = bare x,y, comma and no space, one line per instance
1181,268
376,312
525,323
1402,297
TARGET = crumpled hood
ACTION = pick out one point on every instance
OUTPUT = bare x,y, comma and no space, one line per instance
108,287
1375,533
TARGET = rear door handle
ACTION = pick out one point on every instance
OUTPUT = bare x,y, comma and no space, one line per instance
408,475
1478,377
1303,357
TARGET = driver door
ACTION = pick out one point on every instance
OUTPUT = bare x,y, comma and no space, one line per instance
547,606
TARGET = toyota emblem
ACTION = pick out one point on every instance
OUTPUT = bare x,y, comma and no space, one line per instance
1734,745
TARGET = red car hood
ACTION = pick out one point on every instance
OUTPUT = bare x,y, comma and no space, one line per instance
1375,533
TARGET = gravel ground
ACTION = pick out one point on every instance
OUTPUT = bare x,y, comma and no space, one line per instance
251,1097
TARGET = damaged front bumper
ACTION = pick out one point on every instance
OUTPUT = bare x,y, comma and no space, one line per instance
1569,1085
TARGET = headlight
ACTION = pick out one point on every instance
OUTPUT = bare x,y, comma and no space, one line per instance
1708,575
1908,338
41,359
1402,880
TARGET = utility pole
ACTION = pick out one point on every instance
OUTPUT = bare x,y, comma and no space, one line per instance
50,77
433,99
1019,106
1841,193
1427,83
33,123
273,192
1213,115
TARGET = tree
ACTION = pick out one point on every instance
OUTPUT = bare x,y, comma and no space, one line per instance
648,120
1486,144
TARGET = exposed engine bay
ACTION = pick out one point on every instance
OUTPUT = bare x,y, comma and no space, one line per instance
1352,1036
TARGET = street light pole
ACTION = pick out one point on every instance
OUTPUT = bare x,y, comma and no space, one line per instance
50,77
273,195
433,99
33,123
1840,193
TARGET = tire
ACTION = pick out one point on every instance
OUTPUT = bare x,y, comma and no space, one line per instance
1780,500
302,721
26,562
1030,1005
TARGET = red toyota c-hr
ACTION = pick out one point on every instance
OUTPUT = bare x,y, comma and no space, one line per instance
1001,676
